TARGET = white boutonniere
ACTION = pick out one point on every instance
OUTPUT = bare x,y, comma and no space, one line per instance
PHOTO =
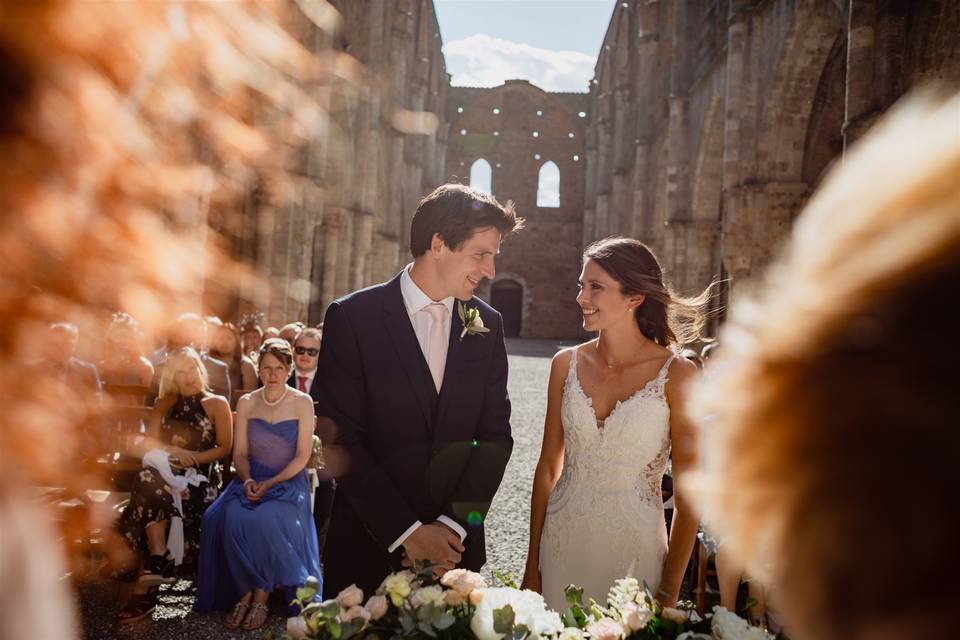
472,322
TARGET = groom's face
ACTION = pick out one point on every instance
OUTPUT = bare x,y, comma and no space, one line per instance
461,271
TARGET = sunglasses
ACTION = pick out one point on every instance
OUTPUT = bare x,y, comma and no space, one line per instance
303,351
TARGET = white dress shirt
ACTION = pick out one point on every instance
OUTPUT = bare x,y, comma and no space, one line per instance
309,375
416,302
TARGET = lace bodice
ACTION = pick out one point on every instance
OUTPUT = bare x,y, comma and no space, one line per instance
628,451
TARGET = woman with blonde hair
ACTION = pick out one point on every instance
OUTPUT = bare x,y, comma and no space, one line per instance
613,418
195,430
834,439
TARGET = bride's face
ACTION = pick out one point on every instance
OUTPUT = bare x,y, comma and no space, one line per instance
600,299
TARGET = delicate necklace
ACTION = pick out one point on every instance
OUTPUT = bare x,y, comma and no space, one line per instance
277,401
600,353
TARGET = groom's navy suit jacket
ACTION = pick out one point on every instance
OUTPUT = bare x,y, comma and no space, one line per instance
400,451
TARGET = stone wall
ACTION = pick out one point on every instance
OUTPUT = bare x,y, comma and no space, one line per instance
518,128
736,109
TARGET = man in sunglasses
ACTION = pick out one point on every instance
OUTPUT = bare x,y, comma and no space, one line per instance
306,354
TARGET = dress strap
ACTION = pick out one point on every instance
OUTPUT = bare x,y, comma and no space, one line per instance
662,374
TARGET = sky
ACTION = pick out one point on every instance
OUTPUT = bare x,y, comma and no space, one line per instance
551,43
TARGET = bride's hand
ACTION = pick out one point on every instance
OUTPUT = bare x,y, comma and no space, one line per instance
531,580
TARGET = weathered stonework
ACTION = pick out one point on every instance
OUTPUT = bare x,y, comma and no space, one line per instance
737,108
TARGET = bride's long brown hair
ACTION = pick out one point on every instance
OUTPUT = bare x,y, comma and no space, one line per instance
664,317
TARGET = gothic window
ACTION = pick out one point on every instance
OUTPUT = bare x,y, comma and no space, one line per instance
548,185
481,176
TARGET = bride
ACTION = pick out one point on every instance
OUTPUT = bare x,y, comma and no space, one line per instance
597,512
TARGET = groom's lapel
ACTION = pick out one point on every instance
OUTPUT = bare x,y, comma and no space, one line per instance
408,349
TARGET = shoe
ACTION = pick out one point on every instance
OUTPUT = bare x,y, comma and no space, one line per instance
235,619
158,570
256,617
138,607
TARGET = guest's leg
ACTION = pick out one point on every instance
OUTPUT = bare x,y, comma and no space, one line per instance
157,537
323,504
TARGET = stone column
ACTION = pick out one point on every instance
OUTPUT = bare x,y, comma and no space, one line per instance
860,102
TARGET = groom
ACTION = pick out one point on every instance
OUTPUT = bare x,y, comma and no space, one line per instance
415,409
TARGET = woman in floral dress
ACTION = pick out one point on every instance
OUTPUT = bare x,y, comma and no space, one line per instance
195,428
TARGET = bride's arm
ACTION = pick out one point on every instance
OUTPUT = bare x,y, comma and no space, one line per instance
685,439
548,468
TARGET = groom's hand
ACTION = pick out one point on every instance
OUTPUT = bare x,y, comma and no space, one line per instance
434,543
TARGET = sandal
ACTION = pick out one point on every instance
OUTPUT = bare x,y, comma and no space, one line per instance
256,617
138,607
158,570
237,615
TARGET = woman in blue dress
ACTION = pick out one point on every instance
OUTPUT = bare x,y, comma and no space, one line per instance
259,535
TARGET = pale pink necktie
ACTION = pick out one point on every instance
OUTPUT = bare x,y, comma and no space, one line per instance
437,342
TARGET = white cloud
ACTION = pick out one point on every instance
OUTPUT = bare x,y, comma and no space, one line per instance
482,61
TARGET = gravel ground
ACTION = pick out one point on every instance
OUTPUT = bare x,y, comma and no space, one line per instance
507,523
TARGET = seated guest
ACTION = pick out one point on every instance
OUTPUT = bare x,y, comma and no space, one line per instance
836,389
253,539
303,377
289,331
251,334
62,365
190,330
195,429
123,360
225,346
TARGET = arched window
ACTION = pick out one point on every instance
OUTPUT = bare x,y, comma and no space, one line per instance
548,185
481,176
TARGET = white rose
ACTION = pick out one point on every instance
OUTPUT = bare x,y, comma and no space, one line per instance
350,597
377,606
605,629
636,617
397,586
296,627
690,635
354,612
570,633
428,595
675,615
529,608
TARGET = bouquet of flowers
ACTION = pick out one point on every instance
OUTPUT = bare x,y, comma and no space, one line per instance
461,606
632,612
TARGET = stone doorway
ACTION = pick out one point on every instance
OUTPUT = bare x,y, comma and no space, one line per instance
506,296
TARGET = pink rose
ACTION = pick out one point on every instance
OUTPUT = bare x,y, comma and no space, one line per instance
476,596
635,617
354,612
605,629
350,597
377,607
675,615
463,581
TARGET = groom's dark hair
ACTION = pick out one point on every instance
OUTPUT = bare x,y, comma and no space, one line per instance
456,211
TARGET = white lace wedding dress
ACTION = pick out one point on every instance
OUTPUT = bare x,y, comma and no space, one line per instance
605,516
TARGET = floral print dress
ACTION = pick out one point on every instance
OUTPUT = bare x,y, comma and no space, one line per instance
186,425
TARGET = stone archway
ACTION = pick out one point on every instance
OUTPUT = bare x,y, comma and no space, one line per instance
506,296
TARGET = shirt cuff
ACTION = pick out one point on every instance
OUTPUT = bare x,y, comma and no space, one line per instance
453,524
406,534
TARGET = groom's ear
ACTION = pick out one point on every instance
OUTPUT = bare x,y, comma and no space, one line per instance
436,244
